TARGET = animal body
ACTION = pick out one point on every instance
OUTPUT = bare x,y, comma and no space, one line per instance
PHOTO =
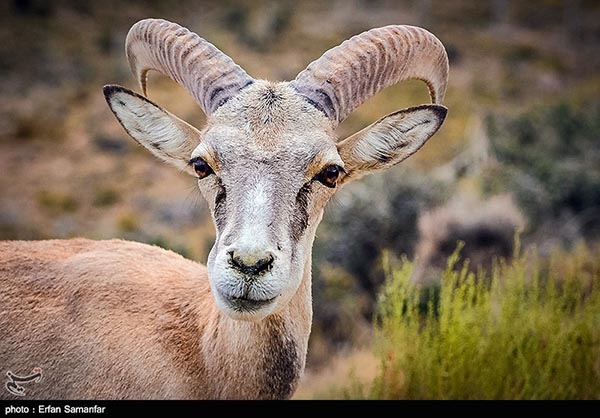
116,319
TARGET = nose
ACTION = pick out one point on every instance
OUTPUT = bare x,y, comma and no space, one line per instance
251,264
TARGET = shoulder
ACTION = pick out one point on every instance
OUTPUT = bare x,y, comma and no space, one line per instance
108,260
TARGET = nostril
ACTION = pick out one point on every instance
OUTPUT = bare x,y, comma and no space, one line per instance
262,265
233,260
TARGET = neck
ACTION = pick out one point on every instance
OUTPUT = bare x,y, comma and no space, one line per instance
258,359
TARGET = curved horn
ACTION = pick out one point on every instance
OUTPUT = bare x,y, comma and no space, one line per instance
347,75
207,73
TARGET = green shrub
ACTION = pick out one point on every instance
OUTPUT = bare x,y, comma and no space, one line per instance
128,222
530,331
106,197
56,203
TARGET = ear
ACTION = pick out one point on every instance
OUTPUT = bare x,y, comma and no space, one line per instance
162,133
390,140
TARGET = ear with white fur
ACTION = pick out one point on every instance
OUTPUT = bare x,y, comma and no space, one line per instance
390,140
162,133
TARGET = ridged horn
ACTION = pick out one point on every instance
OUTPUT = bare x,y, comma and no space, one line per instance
208,74
347,75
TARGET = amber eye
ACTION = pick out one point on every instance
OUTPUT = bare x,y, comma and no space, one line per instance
329,175
201,168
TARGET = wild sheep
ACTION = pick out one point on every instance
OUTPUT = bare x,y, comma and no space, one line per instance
117,319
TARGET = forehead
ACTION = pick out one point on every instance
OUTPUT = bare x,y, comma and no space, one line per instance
268,122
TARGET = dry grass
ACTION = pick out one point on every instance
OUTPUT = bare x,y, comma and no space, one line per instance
361,365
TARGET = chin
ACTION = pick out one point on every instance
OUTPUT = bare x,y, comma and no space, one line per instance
238,299
244,308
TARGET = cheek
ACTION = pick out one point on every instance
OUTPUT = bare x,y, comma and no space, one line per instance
218,207
208,196
308,209
321,197
301,212
216,198
209,189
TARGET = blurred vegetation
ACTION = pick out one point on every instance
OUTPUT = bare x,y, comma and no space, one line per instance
550,159
347,254
530,330
106,197
357,229
56,202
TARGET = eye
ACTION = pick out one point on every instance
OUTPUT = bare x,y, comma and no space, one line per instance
201,167
329,175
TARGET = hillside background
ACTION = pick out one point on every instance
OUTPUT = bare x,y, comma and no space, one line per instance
520,149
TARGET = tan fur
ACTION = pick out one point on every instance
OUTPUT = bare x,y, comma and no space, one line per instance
116,319
103,326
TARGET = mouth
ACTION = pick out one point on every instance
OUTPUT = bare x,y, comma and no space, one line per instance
246,304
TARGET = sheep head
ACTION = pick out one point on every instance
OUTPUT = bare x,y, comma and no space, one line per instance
268,159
